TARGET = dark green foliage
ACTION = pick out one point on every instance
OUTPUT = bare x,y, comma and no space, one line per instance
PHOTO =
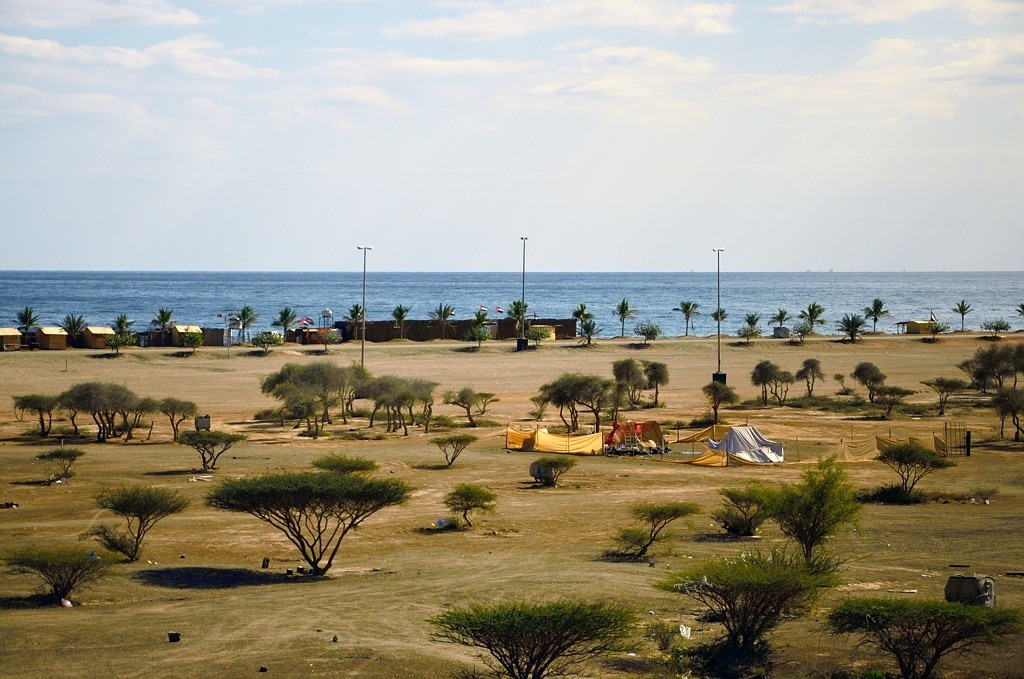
813,315
465,398
654,517
194,340
210,444
266,339
919,634
557,465
809,372
478,334
105,402
309,391
624,312
629,377
441,315
40,404
869,376
995,327
1009,402
119,340
662,634
63,458
962,308
657,377
815,509
689,310
468,497
913,462
571,391
74,326
537,335
453,445
63,569
314,511
342,464
891,494
286,318
649,331
874,312
945,387
852,325
751,594
533,641
745,508
142,507
588,329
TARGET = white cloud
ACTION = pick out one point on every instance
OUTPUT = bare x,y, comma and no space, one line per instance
18,101
886,11
67,14
496,20
357,94
189,53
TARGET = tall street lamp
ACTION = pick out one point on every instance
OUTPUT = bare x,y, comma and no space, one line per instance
521,344
362,345
719,376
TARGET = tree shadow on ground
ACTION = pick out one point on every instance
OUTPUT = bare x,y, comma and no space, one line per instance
30,601
431,467
202,577
173,472
109,355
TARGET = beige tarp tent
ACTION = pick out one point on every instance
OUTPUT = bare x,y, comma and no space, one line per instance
868,448
716,432
710,458
541,441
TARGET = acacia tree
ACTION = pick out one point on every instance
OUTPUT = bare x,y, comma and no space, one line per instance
653,517
314,511
889,397
1009,402
452,446
688,309
744,509
210,444
875,311
869,376
104,402
64,458
465,398
141,507
468,497
40,404
629,377
534,641
945,387
717,395
812,511
912,462
623,312
962,308
750,595
63,569
919,634
809,372
763,374
177,411
657,377
550,468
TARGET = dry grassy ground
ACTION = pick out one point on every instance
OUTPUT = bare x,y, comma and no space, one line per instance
391,576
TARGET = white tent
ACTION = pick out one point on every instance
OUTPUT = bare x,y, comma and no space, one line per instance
746,444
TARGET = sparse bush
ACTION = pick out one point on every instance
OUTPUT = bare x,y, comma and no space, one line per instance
815,509
913,462
540,406
266,339
342,464
443,422
452,446
63,569
744,509
533,641
662,633
547,470
64,458
919,634
634,542
983,493
141,507
467,497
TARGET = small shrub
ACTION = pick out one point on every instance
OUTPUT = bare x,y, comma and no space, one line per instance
983,493
745,508
63,569
64,458
467,497
142,507
634,542
547,470
442,422
342,464
663,634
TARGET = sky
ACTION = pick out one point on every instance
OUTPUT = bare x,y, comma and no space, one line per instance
615,135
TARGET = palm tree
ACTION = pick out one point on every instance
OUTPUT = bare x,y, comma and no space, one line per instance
441,315
517,311
851,325
689,310
719,315
588,329
624,312
162,320
814,315
581,314
286,318
779,318
74,326
245,317
1020,309
122,325
355,315
26,319
875,311
962,308
399,313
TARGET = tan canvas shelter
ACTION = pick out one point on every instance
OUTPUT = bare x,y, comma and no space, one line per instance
10,339
178,329
541,441
51,338
95,337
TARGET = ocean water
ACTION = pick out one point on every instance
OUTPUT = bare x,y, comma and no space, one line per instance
198,297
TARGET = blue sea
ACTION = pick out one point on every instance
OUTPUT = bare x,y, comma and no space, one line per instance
204,298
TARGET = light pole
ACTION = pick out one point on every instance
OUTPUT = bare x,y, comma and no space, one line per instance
520,345
362,345
719,376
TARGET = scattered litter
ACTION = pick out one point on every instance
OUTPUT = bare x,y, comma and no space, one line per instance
181,556
65,603
959,565
631,655
335,639
263,668
685,631
174,637
650,612
902,591
1015,574
9,505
